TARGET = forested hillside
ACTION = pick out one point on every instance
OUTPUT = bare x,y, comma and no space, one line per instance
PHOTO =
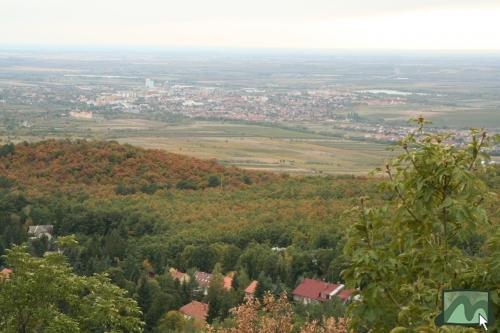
56,164
138,213
134,219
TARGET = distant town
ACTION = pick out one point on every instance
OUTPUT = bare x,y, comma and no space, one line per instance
329,97
272,105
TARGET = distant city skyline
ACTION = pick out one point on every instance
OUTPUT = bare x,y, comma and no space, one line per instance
281,24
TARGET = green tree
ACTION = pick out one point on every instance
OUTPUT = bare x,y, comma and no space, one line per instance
213,181
241,280
186,184
264,285
203,257
44,295
402,256
147,288
161,303
173,321
7,149
39,246
6,182
215,296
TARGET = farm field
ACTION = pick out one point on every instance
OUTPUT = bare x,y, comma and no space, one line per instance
246,146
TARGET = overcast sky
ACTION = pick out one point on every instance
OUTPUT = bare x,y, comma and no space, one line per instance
316,24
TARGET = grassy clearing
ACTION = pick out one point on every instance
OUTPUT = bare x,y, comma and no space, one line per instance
247,146
333,156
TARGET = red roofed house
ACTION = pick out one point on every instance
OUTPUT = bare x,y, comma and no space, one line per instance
315,291
228,282
203,279
5,274
196,310
345,295
250,290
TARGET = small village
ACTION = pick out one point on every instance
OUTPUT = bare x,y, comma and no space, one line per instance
308,291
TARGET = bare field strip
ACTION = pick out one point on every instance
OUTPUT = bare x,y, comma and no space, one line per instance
275,154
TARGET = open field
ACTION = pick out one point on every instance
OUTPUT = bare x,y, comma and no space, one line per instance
246,146
284,155
251,146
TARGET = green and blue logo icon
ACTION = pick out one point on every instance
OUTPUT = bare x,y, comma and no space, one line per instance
466,308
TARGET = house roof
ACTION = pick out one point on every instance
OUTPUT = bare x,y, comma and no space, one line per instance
251,287
345,294
203,279
40,229
177,275
196,310
228,282
5,273
316,289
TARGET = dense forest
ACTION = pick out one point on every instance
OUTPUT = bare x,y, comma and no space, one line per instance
136,213
94,165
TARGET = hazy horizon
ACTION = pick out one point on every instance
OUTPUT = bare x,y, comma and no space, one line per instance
388,25
153,50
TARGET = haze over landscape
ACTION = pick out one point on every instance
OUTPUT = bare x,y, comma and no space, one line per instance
230,166
317,24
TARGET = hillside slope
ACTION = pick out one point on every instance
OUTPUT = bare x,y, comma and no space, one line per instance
57,164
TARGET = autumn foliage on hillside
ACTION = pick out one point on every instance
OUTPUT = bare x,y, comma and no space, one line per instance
56,163
275,315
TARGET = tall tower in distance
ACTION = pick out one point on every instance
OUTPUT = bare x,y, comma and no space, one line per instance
150,84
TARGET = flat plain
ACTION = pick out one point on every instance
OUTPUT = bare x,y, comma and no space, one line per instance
243,145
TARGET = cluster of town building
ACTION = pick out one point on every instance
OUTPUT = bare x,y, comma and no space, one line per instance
193,100
272,104
391,133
